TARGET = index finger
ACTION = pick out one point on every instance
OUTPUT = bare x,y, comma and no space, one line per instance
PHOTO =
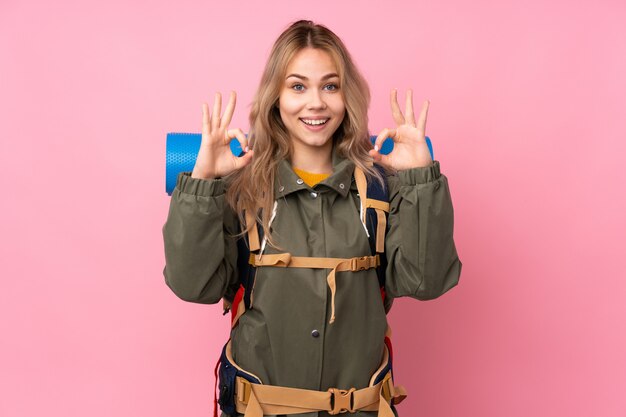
382,137
230,109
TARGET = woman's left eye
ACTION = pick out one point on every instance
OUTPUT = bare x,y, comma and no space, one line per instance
334,86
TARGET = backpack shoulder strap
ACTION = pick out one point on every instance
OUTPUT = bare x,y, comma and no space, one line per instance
374,209
253,234
246,244
377,207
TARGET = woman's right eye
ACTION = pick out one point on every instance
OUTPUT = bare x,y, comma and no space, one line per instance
297,85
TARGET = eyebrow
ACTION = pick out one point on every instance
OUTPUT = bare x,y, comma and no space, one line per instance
325,77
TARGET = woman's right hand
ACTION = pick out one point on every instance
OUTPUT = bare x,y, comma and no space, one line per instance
214,157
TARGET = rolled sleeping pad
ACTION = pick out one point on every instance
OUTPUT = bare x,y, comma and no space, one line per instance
181,150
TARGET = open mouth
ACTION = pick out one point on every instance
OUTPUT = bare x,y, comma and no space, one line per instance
312,122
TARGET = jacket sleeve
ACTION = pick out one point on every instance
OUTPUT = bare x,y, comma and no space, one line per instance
200,246
422,260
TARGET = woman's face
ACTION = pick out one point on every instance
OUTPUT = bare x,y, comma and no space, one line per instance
310,102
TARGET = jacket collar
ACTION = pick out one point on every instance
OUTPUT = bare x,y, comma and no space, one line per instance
287,181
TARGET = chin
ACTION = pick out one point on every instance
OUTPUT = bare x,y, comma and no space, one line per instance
318,143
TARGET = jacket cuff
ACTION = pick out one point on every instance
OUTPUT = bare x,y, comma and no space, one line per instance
421,175
200,187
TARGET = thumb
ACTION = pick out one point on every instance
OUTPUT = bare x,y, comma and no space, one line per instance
381,159
244,160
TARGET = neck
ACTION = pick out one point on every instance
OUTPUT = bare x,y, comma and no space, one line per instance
317,160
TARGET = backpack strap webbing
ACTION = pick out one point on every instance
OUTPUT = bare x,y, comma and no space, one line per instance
258,399
381,208
375,198
253,233
285,260
377,207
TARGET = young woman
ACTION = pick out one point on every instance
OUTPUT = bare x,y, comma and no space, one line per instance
309,334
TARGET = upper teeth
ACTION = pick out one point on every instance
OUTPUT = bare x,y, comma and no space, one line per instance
315,122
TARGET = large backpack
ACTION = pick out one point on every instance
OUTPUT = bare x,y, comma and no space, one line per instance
376,207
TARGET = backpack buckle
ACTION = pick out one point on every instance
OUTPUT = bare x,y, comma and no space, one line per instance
341,400
243,390
364,262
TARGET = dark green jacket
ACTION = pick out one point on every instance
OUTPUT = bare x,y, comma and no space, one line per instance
276,340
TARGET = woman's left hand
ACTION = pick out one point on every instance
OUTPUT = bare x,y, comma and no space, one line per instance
409,148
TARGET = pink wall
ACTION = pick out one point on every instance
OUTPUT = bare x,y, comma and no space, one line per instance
527,118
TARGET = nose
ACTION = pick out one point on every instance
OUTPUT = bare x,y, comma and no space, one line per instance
316,100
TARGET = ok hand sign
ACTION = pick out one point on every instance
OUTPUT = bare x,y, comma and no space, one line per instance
409,148
214,157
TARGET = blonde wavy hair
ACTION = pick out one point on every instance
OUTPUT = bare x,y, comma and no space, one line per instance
251,189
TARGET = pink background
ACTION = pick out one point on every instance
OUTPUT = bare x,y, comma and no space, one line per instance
527,118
